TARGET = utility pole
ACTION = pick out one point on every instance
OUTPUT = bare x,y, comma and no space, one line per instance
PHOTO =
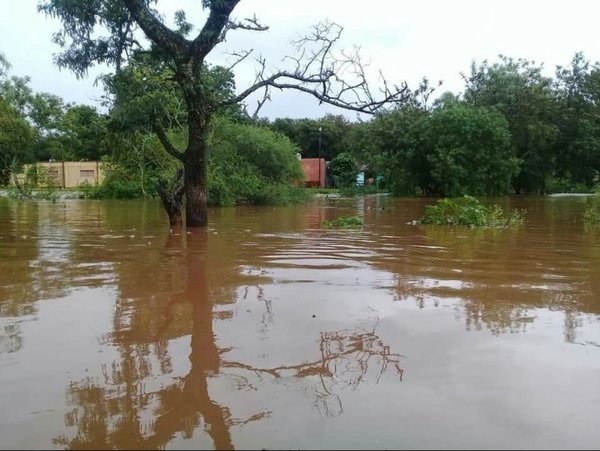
320,130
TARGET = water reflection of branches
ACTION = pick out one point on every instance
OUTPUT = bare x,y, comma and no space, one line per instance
11,339
126,408
346,357
267,316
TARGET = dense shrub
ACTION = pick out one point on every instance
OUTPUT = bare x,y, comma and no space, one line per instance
591,215
343,168
565,185
343,222
251,165
247,165
468,211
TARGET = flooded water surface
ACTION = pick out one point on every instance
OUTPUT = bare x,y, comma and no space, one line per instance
267,331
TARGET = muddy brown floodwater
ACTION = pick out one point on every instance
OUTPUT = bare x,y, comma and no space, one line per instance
266,331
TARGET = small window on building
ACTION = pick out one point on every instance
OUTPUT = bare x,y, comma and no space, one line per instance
86,172
53,174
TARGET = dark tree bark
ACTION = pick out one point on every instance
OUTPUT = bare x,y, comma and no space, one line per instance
172,199
196,187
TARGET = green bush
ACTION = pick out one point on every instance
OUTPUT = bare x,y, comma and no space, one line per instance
343,168
591,216
564,185
252,165
247,165
468,211
111,188
344,222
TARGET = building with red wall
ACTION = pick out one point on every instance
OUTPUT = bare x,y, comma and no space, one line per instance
314,172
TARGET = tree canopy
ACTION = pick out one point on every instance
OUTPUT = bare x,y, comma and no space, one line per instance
104,31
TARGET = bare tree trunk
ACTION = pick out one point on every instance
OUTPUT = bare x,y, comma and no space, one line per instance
196,161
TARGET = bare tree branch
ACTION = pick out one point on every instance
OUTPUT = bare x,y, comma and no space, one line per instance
250,23
240,56
261,102
336,78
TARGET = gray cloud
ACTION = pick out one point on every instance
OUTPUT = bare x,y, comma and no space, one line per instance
406,39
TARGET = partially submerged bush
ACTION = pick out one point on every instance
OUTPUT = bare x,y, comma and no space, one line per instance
468,211
111,188
592,211
344,222
563,185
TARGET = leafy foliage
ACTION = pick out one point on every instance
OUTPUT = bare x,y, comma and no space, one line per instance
343,168
16,140
334,137
591,216
518,90
251,164
344,222
89,45
566,185
468,211
60,132
84,133
4,65
577,148
469,152
391,147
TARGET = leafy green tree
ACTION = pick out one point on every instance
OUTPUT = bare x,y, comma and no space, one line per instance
344,170
392,148
46,113
18,94
16,139
578,145
519,91
469,150
391,145
43,111
104,31
85,132
249,164
325,137
62,132
136,164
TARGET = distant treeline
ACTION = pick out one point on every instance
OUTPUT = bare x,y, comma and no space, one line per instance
511,130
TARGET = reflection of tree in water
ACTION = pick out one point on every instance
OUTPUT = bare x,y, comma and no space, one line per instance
128,410
133,407
497,278
498,318
346,360
18,248
43,256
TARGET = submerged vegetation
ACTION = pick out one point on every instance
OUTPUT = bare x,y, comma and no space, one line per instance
344,222
468,211
591,216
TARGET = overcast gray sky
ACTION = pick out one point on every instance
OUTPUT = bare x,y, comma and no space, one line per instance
406,39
